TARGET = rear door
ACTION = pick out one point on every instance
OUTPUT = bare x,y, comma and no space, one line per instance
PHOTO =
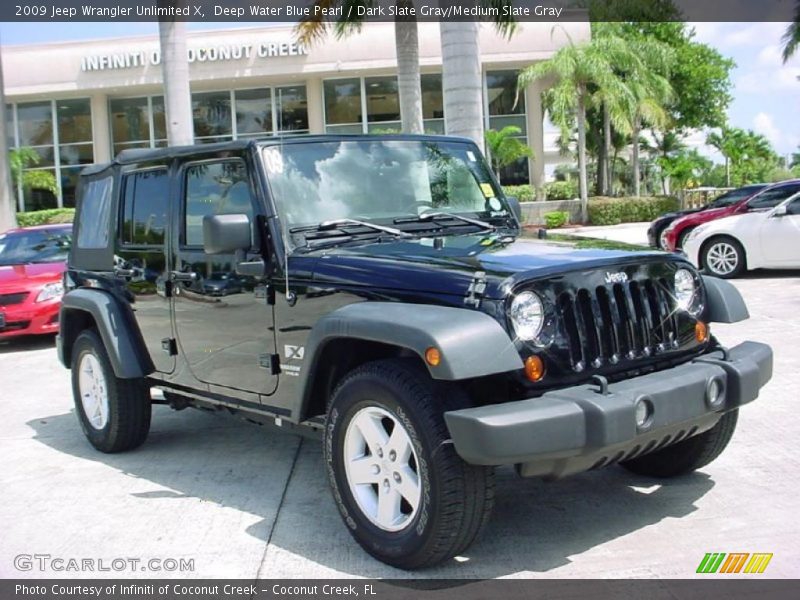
141,263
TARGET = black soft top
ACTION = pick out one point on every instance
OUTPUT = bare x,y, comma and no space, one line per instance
136,155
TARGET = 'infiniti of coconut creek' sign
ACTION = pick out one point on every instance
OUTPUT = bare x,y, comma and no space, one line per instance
224,52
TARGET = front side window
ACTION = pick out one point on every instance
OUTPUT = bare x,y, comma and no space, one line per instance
379,181
214,188
144,207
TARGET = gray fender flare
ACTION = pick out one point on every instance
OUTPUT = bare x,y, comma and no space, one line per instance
471,343
725,303
120,337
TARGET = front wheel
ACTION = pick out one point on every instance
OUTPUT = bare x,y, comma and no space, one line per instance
114,413
723,257
404,494
690,454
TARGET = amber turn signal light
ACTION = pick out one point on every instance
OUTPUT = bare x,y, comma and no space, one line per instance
534,368
701,332
433,357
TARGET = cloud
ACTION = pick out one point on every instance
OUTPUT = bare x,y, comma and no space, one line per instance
764,123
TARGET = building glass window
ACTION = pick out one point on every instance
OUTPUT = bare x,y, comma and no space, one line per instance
60,132
432,103
383,104
253,112
212,117
343,112
130,123
291,105
505,109
159,121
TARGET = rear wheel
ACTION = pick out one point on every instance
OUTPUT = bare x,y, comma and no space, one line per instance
688,455
405,495
114,413
723,257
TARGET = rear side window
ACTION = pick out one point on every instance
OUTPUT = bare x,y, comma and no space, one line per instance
144,207
214,188
95,212
771,198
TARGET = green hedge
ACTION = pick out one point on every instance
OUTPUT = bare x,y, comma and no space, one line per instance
613,211
49,216
556,219
562,190
523,193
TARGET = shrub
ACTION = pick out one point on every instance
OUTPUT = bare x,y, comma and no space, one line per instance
523,193
556,219
562,190
49,216
613,211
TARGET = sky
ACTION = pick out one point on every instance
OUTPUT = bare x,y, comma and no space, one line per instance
766,92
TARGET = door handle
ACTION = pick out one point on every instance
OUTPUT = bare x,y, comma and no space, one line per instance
184,276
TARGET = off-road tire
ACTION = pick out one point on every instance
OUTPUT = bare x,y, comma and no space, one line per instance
129,406
456,499
689,455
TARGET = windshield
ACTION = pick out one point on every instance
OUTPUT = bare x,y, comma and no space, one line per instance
39,246
380,181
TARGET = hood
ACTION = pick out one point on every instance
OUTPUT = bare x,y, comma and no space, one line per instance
416,265
708,215
31,275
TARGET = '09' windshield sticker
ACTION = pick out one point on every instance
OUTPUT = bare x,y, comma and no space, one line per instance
273,160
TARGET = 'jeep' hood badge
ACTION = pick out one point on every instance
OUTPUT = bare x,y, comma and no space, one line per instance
616,277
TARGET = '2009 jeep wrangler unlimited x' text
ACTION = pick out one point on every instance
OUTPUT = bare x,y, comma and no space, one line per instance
381,298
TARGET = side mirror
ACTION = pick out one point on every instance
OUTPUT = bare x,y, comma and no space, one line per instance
223,234
514,205
779,211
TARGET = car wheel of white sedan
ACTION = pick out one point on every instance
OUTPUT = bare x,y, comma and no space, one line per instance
723,257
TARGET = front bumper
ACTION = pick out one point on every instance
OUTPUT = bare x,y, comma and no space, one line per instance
580,428
30,319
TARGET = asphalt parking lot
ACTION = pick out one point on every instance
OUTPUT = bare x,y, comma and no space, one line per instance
243,502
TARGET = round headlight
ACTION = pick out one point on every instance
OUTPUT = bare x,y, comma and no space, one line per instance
527,315
685,289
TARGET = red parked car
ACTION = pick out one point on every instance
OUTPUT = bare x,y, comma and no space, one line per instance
769,197
32,261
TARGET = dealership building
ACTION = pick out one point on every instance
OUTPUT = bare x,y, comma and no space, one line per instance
78,103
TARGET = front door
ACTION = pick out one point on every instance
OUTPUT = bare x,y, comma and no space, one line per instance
223,320
780,238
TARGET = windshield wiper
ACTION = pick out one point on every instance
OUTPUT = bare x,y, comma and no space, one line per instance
328,225
431,216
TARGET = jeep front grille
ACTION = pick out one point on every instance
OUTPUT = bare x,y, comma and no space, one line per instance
618,322
11,299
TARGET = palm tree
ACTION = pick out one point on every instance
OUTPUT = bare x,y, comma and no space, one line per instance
729,143
313,30
505,148
462,86
8,215
791,39
583,74
651,91
177,93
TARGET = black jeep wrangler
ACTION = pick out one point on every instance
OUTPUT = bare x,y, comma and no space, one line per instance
385,303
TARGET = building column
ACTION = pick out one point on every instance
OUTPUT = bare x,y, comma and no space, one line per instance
535,133
101,129
316,116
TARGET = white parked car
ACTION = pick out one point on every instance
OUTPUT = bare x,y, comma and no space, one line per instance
762,239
